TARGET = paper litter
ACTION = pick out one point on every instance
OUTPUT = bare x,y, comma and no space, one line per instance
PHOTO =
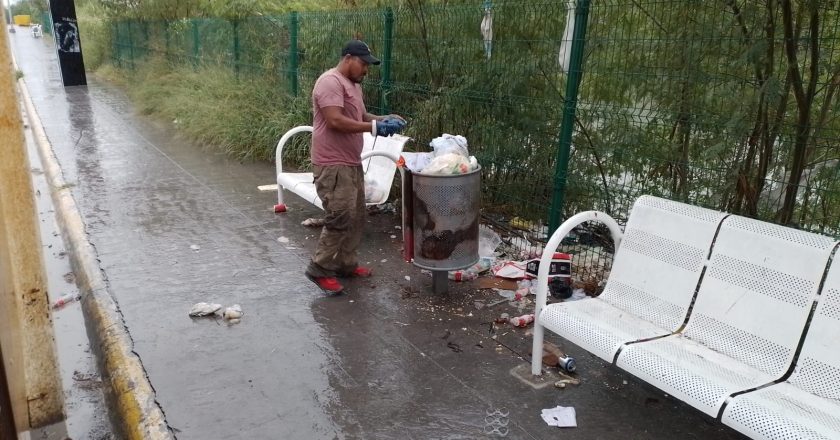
560,416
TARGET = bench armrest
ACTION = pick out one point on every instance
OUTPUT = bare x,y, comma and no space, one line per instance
545,262
393,156
278,152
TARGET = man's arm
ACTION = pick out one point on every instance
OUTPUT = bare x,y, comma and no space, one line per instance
336,120
371,117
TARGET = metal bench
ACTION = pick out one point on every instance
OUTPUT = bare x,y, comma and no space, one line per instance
657,265
754,293
379,160
807,404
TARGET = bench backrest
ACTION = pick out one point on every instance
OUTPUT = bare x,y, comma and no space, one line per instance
818,368
757,292
659,262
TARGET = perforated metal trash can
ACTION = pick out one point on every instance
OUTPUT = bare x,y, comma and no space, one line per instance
445,218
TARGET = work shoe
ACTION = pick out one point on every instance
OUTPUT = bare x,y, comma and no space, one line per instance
327,284
362,272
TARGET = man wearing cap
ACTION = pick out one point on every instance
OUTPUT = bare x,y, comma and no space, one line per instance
339,121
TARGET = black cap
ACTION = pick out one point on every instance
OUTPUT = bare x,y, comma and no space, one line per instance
358,48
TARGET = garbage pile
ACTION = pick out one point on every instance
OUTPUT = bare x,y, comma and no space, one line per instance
449,155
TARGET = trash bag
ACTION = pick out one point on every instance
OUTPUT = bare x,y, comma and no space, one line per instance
451,163
488,241
447,144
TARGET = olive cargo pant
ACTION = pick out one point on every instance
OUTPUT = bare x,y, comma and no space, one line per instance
342,191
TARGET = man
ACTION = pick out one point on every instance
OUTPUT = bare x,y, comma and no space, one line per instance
339,120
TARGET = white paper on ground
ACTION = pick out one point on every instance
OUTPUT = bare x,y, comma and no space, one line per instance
510,269
560,416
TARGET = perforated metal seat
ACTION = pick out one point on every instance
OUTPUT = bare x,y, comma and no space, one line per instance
652,282
749,315
807,405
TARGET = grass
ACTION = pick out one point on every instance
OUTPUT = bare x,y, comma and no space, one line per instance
243,117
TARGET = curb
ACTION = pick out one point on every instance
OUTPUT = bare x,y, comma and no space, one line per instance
133,410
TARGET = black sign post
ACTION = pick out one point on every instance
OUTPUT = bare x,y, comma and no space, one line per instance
67,43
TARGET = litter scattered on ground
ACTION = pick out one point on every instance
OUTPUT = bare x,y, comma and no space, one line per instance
560,416
313,222
195,247
233,312
553,356
495,283
495,303
283,240
514,270
64,299
204,309
566,381
384,208
522,321
472,272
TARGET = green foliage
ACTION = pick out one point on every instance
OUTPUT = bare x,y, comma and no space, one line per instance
686,99
34,8
243,117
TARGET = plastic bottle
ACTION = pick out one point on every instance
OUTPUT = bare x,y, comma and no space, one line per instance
64,299
522,290
522,321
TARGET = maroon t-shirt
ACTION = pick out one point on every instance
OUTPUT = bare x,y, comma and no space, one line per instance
331,147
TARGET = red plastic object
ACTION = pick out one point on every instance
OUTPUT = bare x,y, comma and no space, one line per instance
280,207
362,271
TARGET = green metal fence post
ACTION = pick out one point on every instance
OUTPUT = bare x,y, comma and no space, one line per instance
115,43
146,42
130,45
570,106
385,85
166,40
235,24
196,42
293,53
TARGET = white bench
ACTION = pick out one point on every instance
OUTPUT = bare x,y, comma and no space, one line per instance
36,30
379,160
806,405
755,285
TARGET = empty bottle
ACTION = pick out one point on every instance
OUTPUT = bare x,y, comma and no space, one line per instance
64,299
522,321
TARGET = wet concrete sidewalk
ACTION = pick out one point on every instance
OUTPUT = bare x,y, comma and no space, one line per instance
175,224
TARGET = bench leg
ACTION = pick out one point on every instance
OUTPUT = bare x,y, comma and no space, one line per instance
280,206
537,349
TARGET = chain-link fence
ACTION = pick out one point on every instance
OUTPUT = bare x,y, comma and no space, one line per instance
729,104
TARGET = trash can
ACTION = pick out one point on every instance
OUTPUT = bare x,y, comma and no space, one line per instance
444,218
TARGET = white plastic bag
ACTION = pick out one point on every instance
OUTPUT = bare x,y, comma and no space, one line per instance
451,163
448,143
373,194
488,241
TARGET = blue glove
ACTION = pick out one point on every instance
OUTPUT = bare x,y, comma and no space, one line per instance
389,126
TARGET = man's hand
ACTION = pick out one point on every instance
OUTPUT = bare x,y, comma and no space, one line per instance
389,125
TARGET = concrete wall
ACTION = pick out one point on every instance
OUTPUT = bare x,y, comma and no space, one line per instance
26,332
